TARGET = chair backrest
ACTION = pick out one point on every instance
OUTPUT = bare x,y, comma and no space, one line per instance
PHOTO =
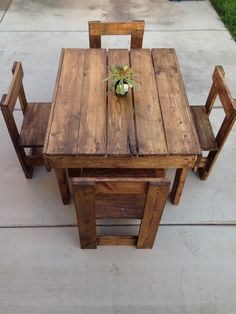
133,28
137,198
219,88
8,101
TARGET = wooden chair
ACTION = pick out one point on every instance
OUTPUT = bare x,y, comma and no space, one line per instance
33,129
133,28
208,141
119,197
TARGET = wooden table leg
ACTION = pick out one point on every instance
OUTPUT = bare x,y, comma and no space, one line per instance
154,206
178,185
63,185
84,194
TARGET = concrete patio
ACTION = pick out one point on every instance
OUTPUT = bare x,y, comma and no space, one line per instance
192,268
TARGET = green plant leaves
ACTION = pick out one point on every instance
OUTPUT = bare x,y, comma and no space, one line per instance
122,74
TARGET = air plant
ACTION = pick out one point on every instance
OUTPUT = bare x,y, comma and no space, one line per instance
121,79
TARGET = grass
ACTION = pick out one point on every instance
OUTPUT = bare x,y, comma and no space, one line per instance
227,12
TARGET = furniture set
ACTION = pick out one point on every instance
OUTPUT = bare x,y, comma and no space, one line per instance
117,149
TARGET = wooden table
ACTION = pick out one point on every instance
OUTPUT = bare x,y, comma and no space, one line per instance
90,127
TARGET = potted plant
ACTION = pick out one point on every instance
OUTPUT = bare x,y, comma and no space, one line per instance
121,79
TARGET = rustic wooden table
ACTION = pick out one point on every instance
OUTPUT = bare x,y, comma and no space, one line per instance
90,127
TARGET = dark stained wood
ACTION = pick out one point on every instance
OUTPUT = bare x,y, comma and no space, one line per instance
151,128
116,240
154,206
121,138
85,211
16,83
150,132
152,162
21,95
211,99
118,173
64,122
180,133
133,28
34,125
203,127
33,129
178,185
119,205
63,185
115,198
223,91
92,127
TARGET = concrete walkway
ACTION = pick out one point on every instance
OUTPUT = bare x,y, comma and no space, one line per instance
192,268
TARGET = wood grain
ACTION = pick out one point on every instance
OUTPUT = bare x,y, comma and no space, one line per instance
67,103
121,138
150,131
92,125
133,28
203,127
180,133
153,209
85,210
34,124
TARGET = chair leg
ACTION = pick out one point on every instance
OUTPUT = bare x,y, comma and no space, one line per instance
211,159
28,170
154,206
84,195
48,168
178,185
63,185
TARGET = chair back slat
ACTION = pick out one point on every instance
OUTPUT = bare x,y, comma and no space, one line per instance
21,95
133,28
119,197
9,119
16,83
223,92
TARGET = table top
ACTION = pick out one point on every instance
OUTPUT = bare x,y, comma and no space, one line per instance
88,119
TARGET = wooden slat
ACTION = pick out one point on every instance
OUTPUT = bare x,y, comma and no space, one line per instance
63,185
85,211
116,28
118,173
178,185
154,206
180,133
225,96
130,186
211,99
149,126
133,28
119,206
21,95
63,134
160,181
151,162
116,240
121,128
92,128
204,129
34,125
15,86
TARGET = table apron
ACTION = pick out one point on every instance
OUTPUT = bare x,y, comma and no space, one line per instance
148,162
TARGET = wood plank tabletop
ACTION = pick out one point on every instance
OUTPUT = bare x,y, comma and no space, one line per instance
88,119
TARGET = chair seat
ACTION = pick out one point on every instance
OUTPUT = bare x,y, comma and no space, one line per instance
204,129
34,125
